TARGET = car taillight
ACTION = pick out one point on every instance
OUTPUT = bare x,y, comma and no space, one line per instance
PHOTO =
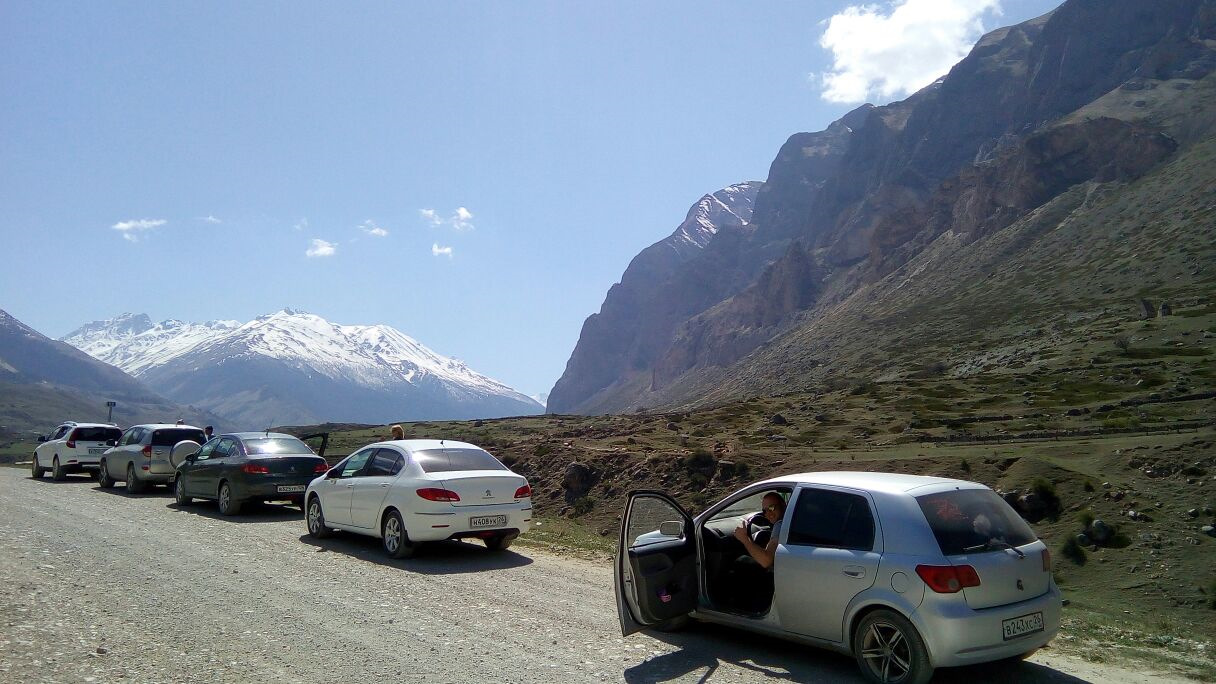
436,494
146,451
71,444
1046,560
948,579
523,492
321,468
255,469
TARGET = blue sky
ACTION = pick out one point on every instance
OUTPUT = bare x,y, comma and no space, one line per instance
183,159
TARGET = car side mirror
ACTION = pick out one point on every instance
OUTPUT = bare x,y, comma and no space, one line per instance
41,438
333,474
671,528
191,458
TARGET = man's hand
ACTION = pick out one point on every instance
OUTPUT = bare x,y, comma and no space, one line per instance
741,533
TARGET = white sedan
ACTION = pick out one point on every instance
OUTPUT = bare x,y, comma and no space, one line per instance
415,490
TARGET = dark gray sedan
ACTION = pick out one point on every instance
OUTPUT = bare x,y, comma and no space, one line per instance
237,468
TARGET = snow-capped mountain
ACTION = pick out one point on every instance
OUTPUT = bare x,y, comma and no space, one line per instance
292,367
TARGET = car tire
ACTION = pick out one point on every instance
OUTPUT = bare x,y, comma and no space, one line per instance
889,650
103,476
499,542
315,518
36,471
393,537
179,492
228,504
58,474
134,485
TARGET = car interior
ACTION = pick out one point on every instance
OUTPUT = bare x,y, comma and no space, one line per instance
733,582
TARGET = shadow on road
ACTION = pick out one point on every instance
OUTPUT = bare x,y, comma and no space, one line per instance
706,647
432,558
252,512
70,478
149,493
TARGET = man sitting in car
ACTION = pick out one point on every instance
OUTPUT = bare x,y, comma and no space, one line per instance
773,508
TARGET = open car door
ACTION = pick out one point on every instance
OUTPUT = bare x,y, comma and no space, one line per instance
655,573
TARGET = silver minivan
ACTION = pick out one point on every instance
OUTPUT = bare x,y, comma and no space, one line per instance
141,457
906,573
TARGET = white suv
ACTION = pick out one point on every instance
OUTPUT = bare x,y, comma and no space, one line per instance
73,447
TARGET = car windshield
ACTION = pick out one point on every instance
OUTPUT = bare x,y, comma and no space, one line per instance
96,434
172,436
276,445
447,460
973,520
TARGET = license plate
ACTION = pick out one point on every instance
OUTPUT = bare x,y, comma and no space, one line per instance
289,489
95,450
488,521
1018,626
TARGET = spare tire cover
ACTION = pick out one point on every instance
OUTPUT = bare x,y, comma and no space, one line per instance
179,452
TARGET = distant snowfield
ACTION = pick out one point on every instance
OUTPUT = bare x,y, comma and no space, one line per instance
376,357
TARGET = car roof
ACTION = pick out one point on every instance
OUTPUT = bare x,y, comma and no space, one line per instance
889,483
425,444
75,424
158,426
262,434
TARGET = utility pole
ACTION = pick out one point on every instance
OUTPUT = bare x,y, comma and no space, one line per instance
110,411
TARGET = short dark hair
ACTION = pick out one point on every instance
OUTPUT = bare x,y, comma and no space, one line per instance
208,428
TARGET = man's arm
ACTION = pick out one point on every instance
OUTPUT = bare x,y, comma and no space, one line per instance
763,555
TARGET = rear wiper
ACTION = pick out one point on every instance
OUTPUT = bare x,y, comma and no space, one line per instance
995,545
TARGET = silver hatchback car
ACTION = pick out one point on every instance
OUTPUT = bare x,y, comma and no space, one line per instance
906,573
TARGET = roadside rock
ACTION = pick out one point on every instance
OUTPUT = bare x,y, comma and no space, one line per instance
1100,531
578,479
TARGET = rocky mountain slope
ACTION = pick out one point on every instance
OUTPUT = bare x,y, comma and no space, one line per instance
882,244
44,382
292,367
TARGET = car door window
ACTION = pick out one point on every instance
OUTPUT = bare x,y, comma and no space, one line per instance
225,448
126,437
59,433
207,450
833,519
646,514
354,464
385,463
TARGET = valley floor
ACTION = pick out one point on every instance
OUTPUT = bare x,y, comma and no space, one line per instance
98,586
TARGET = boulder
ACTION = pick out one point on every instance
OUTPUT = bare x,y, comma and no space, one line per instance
1208,530
1100,531
1084,540
578,479
778,419
1032,507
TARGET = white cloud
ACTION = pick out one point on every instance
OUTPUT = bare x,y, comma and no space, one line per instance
436,250
131,229
301,224
894,49
321,248
369,226
430,216
462,219
209,219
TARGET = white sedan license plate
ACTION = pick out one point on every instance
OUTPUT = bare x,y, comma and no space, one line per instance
488,521
289,489
99,450
1018,626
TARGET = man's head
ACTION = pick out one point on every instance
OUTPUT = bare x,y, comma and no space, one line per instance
208,431
773,506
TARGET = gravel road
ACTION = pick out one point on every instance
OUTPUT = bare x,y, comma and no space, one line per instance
99,586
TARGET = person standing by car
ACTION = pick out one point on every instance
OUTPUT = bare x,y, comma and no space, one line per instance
208,432
398,432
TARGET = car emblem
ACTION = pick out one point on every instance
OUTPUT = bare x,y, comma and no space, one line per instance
1020,587
488,495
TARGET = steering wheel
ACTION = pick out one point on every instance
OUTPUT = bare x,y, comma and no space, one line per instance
756,524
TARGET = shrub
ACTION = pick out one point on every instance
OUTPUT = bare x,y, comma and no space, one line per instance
1073,552
897,427
542,449
1088,486
701,459
1087,519
1123,342
583,505
964,466
1046,491
698,480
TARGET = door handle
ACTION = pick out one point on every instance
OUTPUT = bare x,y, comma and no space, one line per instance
350,485
383,484
854,571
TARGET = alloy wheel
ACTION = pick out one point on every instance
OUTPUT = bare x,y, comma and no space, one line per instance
392,534
885,651
314,517
225,497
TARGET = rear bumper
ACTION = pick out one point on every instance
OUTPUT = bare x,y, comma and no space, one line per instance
958,635
436,526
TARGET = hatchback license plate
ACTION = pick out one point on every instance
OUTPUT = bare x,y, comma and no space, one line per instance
289,489
488,521
1018,626
97,450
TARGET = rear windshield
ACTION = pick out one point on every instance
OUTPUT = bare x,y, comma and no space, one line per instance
447,460
972,521
173,436
96,434
276,445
